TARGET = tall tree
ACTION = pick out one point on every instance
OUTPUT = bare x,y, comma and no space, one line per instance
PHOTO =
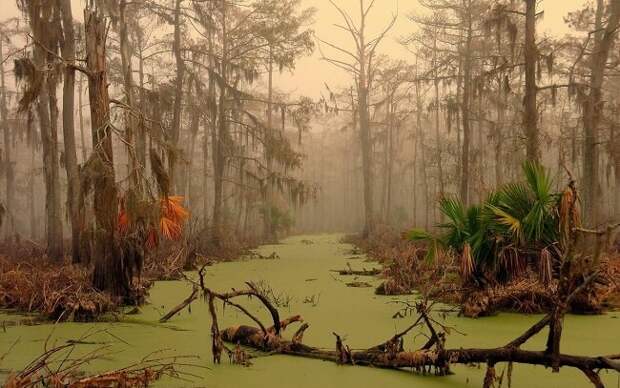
7,159
530,118
68,127
110,269
44,21
605,39
360,63
280,25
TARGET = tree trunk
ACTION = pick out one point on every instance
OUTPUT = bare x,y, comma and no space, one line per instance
593,107
68,128
109,274
81,119
531,111
8,162
34,230
50,158
465,109
141,132
128,86
366,142
268,200
220,137
178,95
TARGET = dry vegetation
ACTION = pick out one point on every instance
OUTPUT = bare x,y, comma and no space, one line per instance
56,291
59,367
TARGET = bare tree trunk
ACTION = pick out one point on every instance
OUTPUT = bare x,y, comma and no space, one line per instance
109,274
465,108
81,119
34,230
50,159
220,137
8,160
437,132
178,94
191,146
531,111
68,128
366,140
128,86
267,216
141,132
390,167
593,107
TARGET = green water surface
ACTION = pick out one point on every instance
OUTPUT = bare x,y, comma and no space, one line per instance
302,272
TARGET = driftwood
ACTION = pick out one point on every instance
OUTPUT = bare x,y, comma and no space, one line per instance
432,357
363,272
192,297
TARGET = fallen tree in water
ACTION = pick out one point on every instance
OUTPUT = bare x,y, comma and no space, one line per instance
434,356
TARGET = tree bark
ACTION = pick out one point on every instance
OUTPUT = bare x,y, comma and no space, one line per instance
531,111
7,160
220,141
128,86
593,107
178,95
465,109
109,274
50,159
68,128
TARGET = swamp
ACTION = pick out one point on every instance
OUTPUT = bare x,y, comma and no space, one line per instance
309,193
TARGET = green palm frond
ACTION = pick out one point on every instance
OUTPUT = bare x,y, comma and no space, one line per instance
419,235
538,180
508,220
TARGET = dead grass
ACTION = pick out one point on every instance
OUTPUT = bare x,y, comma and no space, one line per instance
56,291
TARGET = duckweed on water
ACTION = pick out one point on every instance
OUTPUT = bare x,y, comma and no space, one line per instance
365,319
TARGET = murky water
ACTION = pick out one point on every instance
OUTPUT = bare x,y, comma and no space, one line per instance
302,275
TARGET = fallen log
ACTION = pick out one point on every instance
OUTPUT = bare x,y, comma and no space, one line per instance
439,359
362,272
432,357
180,306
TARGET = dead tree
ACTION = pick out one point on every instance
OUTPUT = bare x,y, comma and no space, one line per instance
432,356
361,65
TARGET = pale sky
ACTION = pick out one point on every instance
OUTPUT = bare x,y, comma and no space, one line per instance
311,73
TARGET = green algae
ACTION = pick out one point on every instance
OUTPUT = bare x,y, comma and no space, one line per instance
363,318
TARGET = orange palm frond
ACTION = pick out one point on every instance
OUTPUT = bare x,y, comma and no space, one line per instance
169,229
151,239
123,222
173,209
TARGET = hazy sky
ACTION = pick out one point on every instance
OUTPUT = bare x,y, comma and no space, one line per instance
311,73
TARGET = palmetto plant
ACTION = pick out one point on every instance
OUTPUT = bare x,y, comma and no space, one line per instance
500,236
